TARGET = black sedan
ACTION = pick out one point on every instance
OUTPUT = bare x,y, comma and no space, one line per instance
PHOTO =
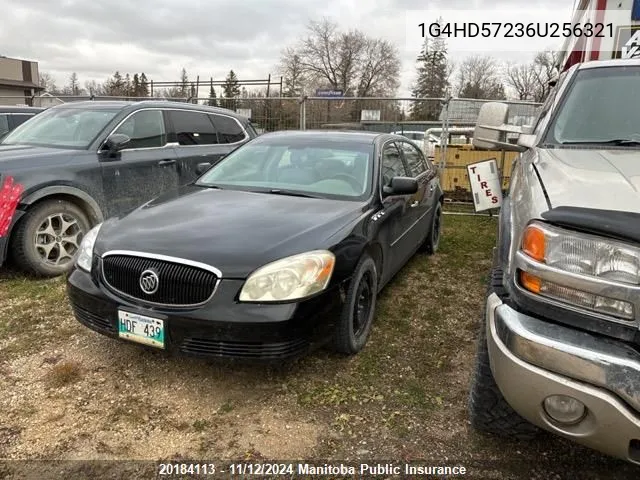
281,246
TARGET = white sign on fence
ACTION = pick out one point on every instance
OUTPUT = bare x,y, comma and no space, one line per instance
484,179
370,115
245,112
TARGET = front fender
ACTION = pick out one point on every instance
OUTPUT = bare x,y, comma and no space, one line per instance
94,208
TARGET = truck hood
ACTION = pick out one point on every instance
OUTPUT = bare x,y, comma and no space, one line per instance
234,231
598,179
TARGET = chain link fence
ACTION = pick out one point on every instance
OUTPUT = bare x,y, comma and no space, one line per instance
443,127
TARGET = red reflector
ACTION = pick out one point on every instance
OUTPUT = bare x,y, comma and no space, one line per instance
9,199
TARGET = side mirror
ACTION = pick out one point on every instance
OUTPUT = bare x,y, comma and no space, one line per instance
527,140
115,143
202,167
492,115
401,186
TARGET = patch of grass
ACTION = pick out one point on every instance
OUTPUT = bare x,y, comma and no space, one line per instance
201,425
226,407
64,373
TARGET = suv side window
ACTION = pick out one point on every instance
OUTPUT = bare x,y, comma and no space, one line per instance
145,129
20,118
392,164
4,124
414,159
193,128
229,130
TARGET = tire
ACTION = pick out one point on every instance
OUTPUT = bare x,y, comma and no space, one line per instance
354,327
57,224
432,242
488,410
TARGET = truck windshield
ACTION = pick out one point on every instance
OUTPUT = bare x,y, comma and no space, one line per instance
601,107
62,128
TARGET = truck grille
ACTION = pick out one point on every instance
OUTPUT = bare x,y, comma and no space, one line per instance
178,285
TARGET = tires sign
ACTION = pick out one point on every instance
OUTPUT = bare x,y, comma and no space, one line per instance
484,178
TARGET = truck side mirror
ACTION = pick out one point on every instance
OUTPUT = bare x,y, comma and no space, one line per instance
492,115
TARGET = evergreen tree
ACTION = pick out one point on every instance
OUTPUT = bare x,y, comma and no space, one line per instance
213,98
184,83
144,86
128,88
135,86
231,91
433,79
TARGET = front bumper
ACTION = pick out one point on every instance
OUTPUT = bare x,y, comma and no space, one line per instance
222,328
532,359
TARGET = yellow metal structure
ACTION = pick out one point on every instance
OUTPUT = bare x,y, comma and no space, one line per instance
455,179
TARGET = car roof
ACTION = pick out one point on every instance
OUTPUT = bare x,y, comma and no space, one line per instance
355,136
135,105
19,109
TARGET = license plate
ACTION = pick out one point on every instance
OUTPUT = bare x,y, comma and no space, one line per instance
141,329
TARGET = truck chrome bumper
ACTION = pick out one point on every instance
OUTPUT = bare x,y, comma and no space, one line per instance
533,359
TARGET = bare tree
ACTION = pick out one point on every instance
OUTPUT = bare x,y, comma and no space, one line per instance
523,79
379,69
293,73
349,61
48,83
545,70
479,77
94,88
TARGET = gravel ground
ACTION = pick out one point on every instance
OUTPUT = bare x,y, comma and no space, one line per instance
69,394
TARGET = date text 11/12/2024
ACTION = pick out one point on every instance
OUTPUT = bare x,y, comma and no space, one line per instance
275,469
515,30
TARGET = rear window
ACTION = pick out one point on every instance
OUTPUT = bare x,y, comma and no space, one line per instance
229,130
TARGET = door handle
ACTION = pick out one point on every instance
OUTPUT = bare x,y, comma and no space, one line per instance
163,163
415,204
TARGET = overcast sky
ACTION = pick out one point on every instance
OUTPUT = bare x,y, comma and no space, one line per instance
208,38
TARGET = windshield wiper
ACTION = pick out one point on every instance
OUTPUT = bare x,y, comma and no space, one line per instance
614,141
208,185
278,191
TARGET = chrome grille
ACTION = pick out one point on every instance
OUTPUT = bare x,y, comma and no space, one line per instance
179,284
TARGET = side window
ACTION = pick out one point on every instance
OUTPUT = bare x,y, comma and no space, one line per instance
20,118
392,164
414,159
228,128
193,128
4,124
145,129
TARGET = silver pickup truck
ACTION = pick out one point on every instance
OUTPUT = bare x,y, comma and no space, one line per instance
559,347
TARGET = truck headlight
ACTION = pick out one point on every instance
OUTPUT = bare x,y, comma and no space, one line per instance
85,255
585,255
290,278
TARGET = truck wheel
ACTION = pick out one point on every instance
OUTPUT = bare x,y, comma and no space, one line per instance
432,241
48,237
354,325
489,411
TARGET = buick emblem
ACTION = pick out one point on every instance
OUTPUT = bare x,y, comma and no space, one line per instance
149,282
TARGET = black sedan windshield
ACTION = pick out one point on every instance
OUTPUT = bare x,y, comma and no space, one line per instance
62,128
316,167
602,106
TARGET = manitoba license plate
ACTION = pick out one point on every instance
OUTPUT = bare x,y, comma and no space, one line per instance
141,329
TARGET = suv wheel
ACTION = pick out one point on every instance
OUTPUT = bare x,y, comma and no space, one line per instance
489,411
48,237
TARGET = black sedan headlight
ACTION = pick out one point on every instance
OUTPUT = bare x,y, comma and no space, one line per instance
85,254
290,278
579,269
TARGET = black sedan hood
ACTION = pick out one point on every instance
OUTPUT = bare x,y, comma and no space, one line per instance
234,231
